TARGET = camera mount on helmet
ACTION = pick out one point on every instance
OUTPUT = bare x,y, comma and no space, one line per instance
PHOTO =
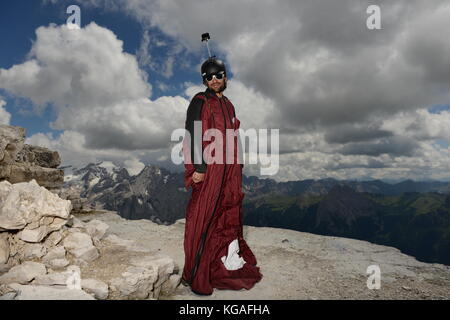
212,65
206,37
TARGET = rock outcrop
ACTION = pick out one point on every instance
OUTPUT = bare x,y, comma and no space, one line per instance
47,253
79,203
39,156
20,162
32,209
11,143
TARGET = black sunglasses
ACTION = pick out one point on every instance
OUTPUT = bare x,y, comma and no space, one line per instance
219,76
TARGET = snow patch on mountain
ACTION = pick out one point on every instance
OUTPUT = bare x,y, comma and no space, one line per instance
109,166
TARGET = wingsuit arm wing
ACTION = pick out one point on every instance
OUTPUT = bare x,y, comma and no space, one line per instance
240,143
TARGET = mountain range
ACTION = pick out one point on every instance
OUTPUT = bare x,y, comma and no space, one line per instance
413,216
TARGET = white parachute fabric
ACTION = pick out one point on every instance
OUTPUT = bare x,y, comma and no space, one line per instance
232,261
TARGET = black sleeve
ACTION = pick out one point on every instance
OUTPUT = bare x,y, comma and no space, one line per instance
194,113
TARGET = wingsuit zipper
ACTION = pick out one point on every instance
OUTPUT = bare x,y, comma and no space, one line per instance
203,236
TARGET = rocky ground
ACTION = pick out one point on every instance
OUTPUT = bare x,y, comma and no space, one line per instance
46,253
295,265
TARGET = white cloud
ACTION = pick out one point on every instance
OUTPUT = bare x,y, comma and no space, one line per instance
70,146
96,88
421,124
434,164
108,165
163,86
133,166
143,54
130,125
317,61
99,95
310,68
5,116
76,68
168,67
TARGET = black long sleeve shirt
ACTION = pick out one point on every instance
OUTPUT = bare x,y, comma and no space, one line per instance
194,113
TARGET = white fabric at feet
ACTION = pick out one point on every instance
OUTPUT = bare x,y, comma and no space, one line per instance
233,261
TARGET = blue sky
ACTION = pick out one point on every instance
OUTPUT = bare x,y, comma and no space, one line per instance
349,102
19,20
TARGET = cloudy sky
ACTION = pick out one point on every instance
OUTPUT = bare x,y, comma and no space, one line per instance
349,102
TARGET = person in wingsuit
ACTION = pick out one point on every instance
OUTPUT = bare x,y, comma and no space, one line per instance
216,254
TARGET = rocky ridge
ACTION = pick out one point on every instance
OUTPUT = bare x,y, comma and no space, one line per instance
48,253
44,248
20,162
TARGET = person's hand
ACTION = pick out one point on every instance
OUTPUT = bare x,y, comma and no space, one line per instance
197,177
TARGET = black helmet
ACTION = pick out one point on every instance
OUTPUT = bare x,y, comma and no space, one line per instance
211,66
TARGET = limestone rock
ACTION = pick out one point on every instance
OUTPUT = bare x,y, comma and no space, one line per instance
20,162
7,293
77,240
39,156
58,278
23,273
11,143
27,203
162,264
33,235
73,193
114,239
9,220
25,172
55,253
8,296
52,279
14,247
53,239
4,248
136,282
49,224
37,234
80,245
32,292
98,288
5,189
58,263
4,267
74,222
56,258
96,229
34,250
169,286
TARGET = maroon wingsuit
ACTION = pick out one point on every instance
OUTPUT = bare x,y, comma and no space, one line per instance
214,212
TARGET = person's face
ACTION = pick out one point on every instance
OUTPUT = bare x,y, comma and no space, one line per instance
217,85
